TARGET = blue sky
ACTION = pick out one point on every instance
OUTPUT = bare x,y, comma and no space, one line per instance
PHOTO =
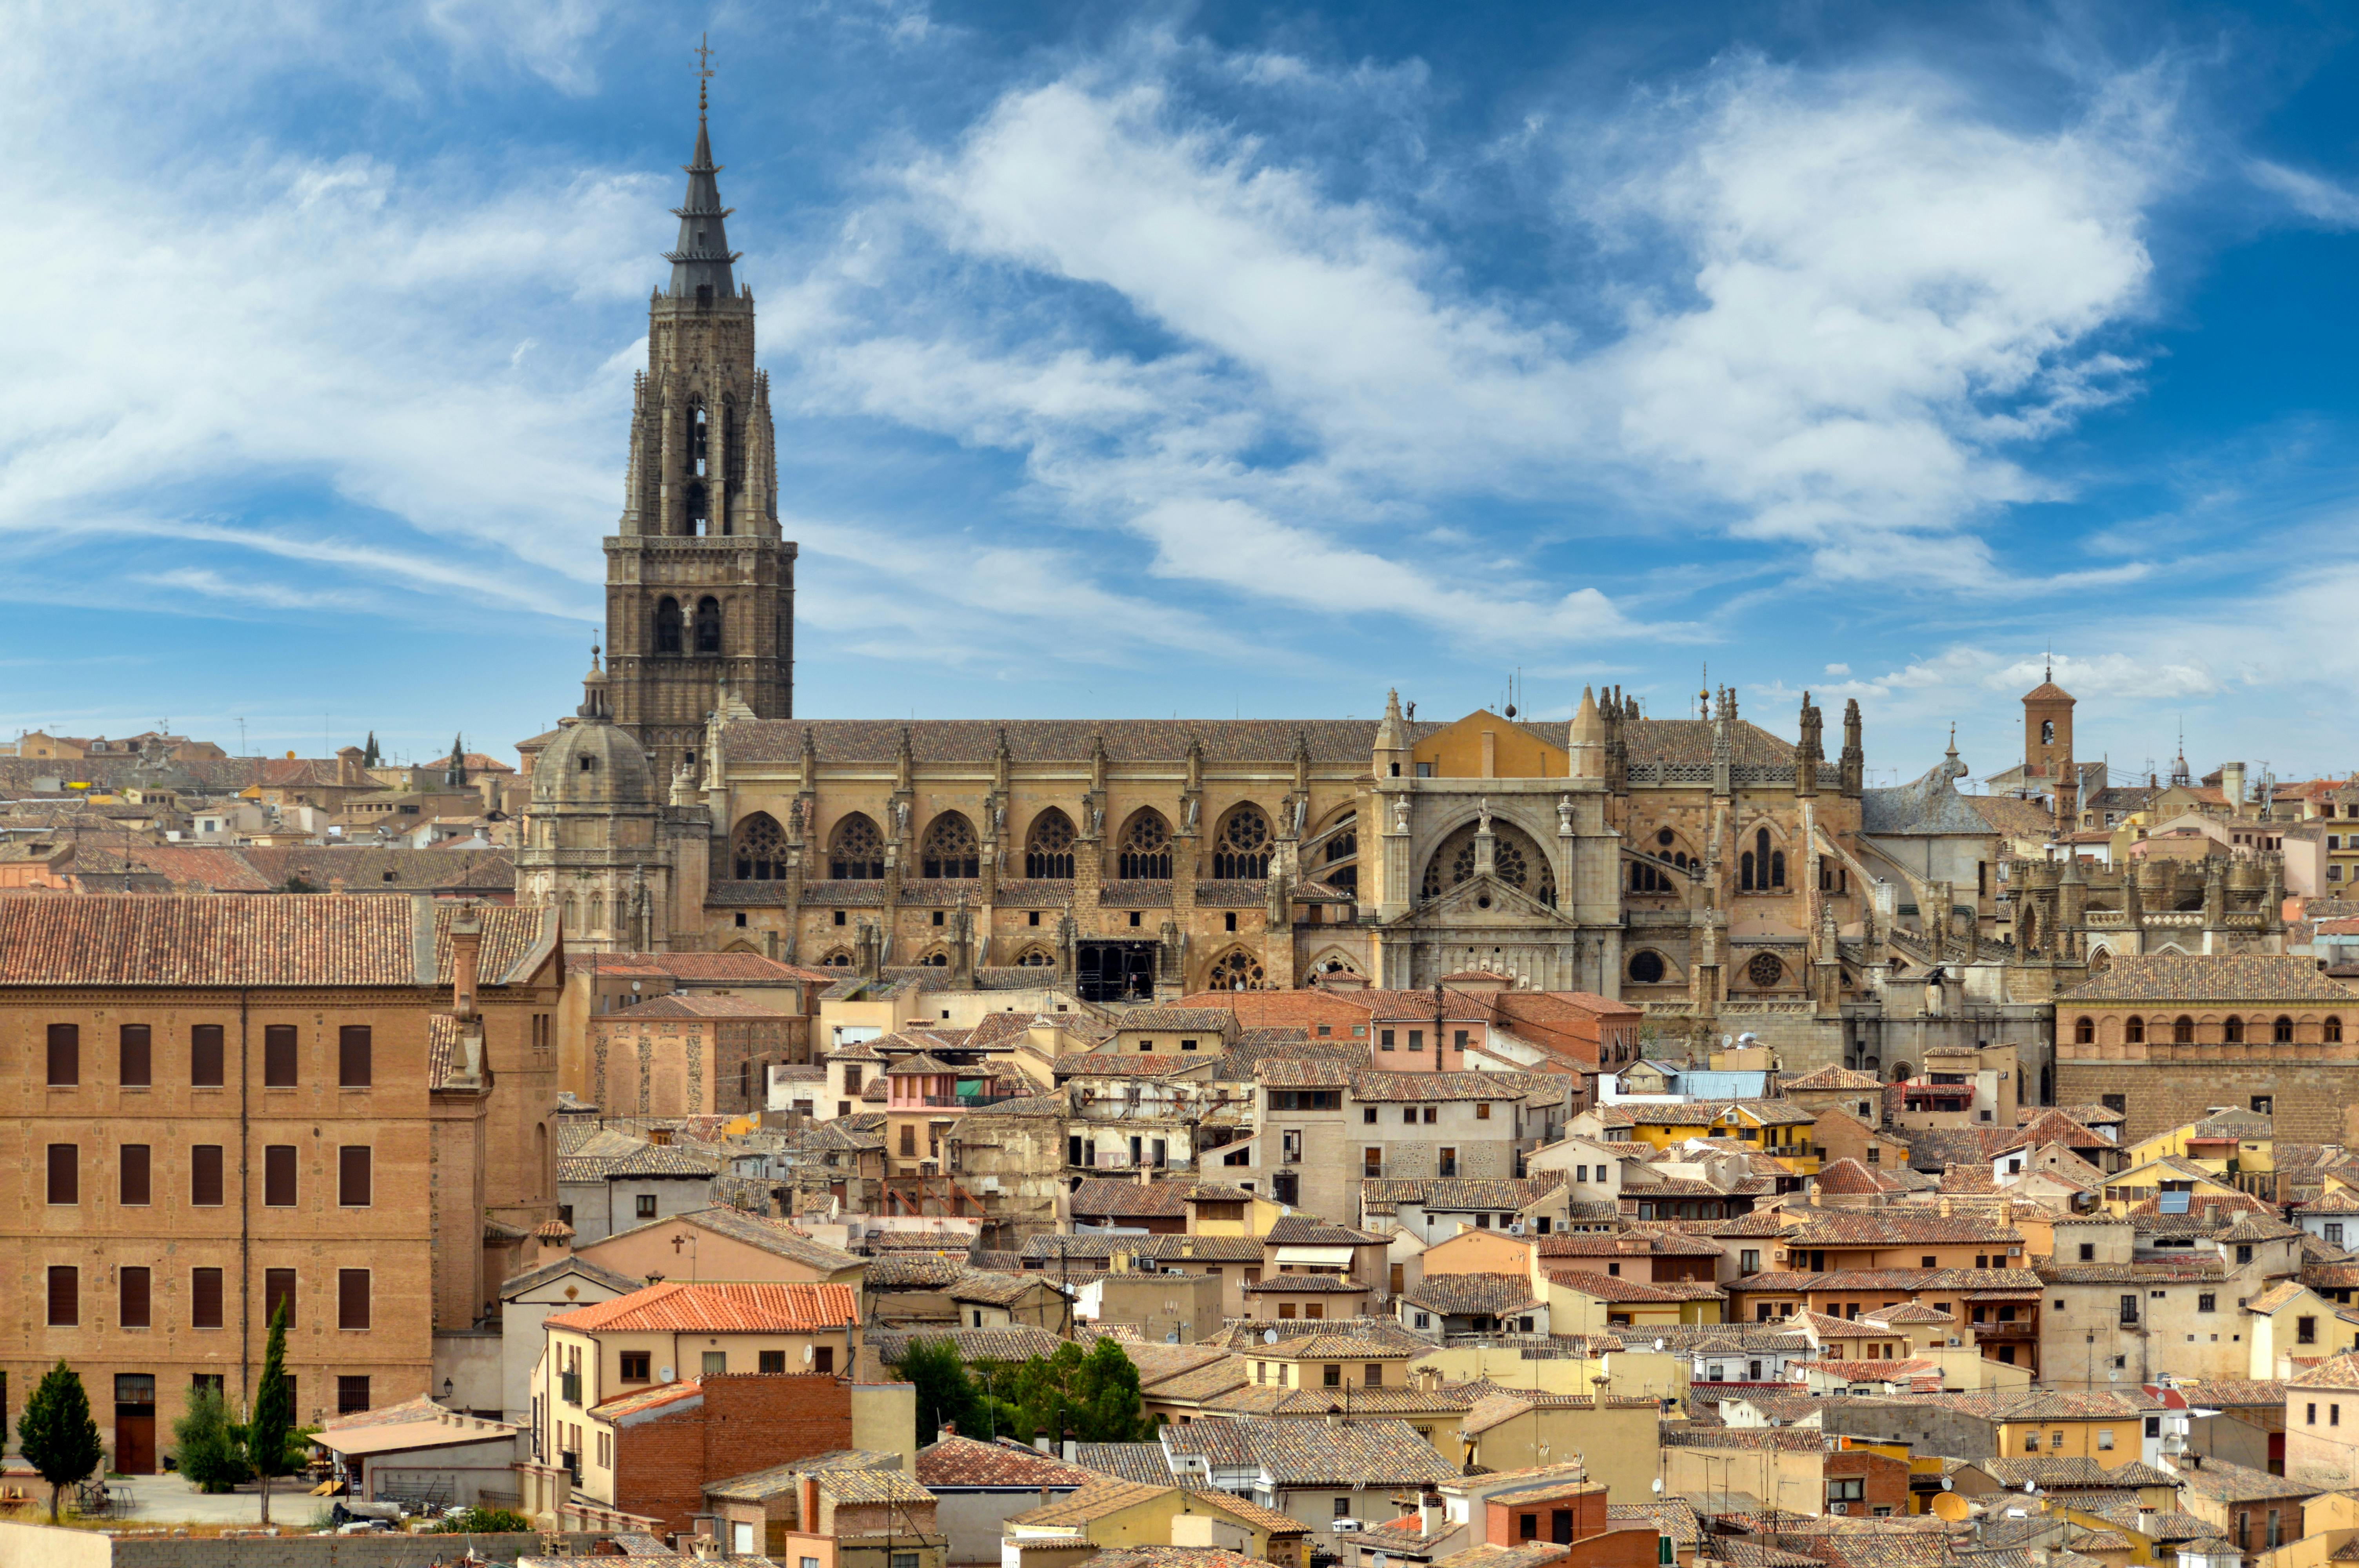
1137,360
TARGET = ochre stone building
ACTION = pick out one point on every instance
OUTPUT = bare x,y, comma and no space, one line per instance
221,1100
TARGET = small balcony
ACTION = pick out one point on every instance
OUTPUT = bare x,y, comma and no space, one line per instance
960,1102
2012,1333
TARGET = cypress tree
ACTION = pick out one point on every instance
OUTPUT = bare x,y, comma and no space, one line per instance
273,1422
57,1433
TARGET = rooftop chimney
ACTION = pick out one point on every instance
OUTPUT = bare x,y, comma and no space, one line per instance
466,948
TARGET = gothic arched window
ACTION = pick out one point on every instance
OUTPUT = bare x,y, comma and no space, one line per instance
1241,852
669,625
1144,852
1342,865
759,851
2048,732
1049,847
950,848
1036,958
1777,868
1236,970
838,958
708,625
856,853
699,509
597,912
1745,871
699,438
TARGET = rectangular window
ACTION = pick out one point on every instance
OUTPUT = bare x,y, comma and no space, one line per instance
634,1366
774,1362
205,1056
1482,1111
646,1209
1527,1527
1372,1164
2105,1438
908,1141
65,1296
204,1298
133,1186
351,1393
716,1363
205,1175
1384,1039
1416,1039
823,1358
353,1173
278,1175
279,1056
1432,1114
65,1173
65,1055
279,1286
351,1298
2206,1302
354,1066
131,1306
1449,1164
137,1066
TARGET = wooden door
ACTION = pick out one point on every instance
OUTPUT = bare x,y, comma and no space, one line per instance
135,1439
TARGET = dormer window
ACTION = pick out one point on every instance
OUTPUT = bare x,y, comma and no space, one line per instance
589,764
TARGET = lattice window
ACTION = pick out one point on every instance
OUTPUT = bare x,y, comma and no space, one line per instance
1146,849
949,850
759,853
1765,970
1048,850
1236,970
1242,850
857,852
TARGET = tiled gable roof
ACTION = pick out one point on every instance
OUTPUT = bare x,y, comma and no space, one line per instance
677,1306
1498,1195
955,1461
1381,1453
1462,1295
2232,977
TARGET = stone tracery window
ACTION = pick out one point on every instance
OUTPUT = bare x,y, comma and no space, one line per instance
856,853
1514,857
1342,867
1237,970
1761,867
1144,852
949,850
837,959
1049,848
936,958
1242,850
759,853
1765,970
1036,957
1647,967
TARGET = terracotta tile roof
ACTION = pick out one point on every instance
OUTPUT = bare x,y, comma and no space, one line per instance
2233,976
677,1306
1295,1453
1020,1343
1529,1554
1303,1231
230,939
757,1485
1499,1194
1159,1200
1306,1284
739,967
1341,1339
1704,1113
1610,1288
1634,1242
873,1487
2339,1373
1139,1463
1462,1295
1834,1078
2232,1390
1090,1503
1302,1073
1896,1226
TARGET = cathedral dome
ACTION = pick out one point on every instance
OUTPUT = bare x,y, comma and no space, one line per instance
592,762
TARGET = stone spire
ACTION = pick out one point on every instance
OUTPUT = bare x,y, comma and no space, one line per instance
700,263
1854,761
1586,738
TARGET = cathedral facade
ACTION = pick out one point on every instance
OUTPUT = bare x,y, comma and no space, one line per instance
1701,866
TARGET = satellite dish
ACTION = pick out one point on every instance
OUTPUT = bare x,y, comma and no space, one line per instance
1658,1486
1658,1343
664,1374
1269,1337
808,1355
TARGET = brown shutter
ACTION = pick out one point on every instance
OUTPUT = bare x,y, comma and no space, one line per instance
137,1058
205,1056
353,1056
205,1175
278,1055
65,1054
65,1173
133,1312
279,1286
205,1298
351,1298
352,1176
135,1186
278,1175
65,1296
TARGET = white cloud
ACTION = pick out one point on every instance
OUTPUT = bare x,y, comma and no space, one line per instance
2307,194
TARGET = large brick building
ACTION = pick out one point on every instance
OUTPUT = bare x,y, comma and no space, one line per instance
2166,1039
224,1101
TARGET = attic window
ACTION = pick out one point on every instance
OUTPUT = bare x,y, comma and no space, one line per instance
388,876
589,764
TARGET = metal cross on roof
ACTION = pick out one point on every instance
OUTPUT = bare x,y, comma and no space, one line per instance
703,67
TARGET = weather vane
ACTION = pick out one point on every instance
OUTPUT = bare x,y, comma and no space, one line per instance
703,67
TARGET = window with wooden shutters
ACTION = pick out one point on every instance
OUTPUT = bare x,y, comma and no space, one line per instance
353,1173
131,1310
137,1060
278,1176
205,1298
205,1056
65,1173
205,1175
351,1298
278,1055
279,1286
65,1296
135,1187
353,1065
65,1055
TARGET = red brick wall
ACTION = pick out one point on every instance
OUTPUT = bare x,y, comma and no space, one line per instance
747,1423
1886,1478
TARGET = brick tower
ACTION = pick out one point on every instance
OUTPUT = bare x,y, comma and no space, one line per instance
2048,749
700,586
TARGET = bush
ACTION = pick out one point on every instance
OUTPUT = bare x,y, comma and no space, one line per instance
482,1521
210,1453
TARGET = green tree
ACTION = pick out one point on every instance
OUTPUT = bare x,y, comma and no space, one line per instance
57,1435
211,1452
944,1391
480,1520
1104,1393
273,1422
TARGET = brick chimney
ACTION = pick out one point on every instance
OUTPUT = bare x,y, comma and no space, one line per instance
466,953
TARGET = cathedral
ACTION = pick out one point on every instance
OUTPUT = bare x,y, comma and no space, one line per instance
1703,867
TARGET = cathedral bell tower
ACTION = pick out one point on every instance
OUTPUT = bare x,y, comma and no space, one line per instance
700,586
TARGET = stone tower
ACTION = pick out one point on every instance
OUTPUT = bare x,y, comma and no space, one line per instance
700,586
2048,749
